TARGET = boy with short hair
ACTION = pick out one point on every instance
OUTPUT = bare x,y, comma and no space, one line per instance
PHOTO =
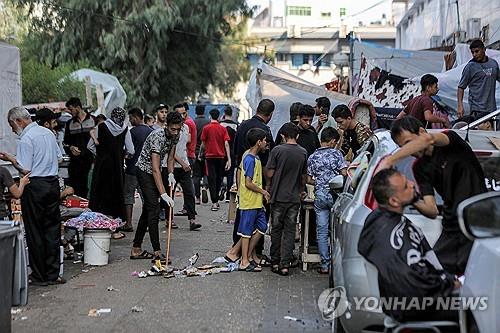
286,171
324,164
253,221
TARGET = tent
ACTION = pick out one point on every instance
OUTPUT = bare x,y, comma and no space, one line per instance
10,93
267,81
115,94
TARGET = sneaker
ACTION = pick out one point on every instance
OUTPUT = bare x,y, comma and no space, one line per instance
215,207
204,195
197,201
194,226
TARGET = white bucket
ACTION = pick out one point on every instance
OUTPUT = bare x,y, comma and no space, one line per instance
96,247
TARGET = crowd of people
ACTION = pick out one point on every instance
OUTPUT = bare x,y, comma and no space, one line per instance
110,161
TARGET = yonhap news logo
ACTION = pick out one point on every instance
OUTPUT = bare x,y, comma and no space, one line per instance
333,303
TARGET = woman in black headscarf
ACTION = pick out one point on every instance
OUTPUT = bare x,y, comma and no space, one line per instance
113,144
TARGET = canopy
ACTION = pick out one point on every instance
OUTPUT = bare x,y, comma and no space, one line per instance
113,90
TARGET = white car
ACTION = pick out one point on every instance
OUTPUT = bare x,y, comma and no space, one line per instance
351,271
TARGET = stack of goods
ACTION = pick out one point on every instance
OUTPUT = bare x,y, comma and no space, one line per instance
92,220
74,201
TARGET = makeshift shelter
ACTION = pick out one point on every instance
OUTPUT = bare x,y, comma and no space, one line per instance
114,93
267,81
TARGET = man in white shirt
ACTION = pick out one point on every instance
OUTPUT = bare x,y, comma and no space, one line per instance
38,155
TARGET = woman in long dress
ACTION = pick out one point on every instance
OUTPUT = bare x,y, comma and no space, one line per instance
113,145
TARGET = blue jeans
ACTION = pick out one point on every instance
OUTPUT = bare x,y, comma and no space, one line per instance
323,204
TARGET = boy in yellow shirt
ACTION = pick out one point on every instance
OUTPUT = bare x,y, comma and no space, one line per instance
253,223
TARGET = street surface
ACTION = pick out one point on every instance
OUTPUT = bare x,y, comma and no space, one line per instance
224,302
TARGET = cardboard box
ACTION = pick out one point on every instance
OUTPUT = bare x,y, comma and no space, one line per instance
74,201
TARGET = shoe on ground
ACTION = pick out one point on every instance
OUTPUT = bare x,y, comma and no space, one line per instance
194,226
59,280
197,201
173,226
215,207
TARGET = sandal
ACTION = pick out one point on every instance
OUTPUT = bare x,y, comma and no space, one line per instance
264,261
143,255
257,267
283,271
323,271
229,260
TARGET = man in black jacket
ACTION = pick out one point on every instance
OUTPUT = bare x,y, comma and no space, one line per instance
407,266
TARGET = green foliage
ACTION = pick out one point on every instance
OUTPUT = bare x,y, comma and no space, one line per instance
43,84
160,50
13,22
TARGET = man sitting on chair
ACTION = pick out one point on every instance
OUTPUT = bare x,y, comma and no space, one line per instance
407,266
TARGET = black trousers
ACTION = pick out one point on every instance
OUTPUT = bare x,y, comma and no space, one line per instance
284,219
198,174
183,178
229,180
216,172
42,220
452,249
78,173
150,210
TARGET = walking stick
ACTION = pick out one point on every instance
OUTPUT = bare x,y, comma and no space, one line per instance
169,233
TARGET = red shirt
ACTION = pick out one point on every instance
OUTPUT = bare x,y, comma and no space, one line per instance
191,146
214,136
417,107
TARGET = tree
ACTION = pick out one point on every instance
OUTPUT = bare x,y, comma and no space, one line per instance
161,50
13,23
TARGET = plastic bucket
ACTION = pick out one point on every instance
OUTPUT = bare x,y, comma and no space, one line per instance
96,247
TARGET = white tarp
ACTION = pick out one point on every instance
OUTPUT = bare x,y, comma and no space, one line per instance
448,81
10,93
115,95
267,81
399,62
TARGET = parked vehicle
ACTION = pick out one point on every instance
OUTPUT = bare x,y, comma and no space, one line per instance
479,219
348,268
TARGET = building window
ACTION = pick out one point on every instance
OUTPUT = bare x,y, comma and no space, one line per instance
326,14
297,60
280,57
298,11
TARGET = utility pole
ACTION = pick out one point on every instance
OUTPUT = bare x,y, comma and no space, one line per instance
458,16
351,59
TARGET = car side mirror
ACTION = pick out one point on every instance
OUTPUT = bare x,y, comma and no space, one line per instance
336,183
479,216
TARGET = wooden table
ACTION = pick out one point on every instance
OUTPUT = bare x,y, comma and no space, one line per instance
306,208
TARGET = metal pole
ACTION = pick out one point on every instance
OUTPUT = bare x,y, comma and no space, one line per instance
458,16
351,60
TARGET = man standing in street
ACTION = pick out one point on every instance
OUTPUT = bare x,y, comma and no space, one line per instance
231,127
308,138
445,164
193,133
76,138
216,147
182,171
294,119
480,76
139,133
354,133
38,155
160,116
199,164
159,144
286,171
